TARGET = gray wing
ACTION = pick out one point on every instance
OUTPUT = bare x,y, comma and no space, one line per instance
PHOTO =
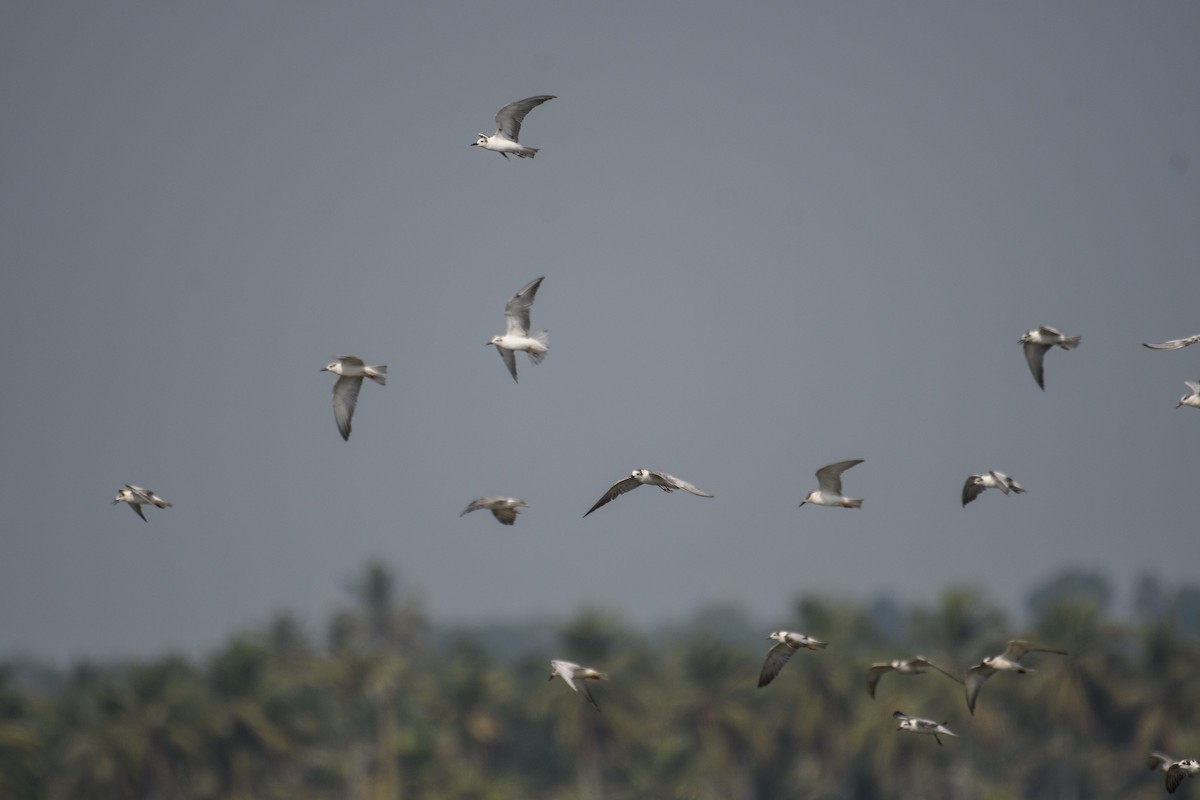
1173,344
1157,760
1019,647
137,507
509,118
507,516
949,675
876,672
1001,480
975,678
829,477
677,483
510,360
583,689
345,398
777,656
971,490
616,490
353,361
1175,775
1033,356
516,310
476,504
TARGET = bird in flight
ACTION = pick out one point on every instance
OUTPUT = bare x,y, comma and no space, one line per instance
1173,344
350,371
1192,399
922,725
502,508
989,480
902,666
1005,662
645,477
788,643
1037,341
508,128
137,496
829,478
569,671
517,336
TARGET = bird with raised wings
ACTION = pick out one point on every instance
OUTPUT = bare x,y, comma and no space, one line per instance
646,477
1037,341
788,642
508,128
517,336
570,671
138,496
502,508
991,479
829,479
902,666
1004,662
350,371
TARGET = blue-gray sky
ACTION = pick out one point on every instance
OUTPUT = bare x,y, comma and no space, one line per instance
773,238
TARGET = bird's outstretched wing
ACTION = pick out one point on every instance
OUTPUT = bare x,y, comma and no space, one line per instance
876,672
1173,344
1034,354
616,490
971,489
1019,647
976,676
509,118
510,360
345,398
516,310
829,477
776,658
679,483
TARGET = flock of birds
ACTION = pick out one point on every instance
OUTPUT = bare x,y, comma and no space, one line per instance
517,337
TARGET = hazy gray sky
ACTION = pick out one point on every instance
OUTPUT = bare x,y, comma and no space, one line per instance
772,238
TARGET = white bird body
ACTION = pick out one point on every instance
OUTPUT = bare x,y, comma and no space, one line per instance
829,478
788,643
646,477
517,336
503,508
508,129
1008,661
922,725
992,479
138,496
1192,399
350,371
569,671
1037,341
904,666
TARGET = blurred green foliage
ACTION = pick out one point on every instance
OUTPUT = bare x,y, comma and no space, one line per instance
389,707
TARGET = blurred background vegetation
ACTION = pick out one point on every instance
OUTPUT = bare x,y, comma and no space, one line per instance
382,704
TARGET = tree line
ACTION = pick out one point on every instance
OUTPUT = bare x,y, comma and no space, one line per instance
384,704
